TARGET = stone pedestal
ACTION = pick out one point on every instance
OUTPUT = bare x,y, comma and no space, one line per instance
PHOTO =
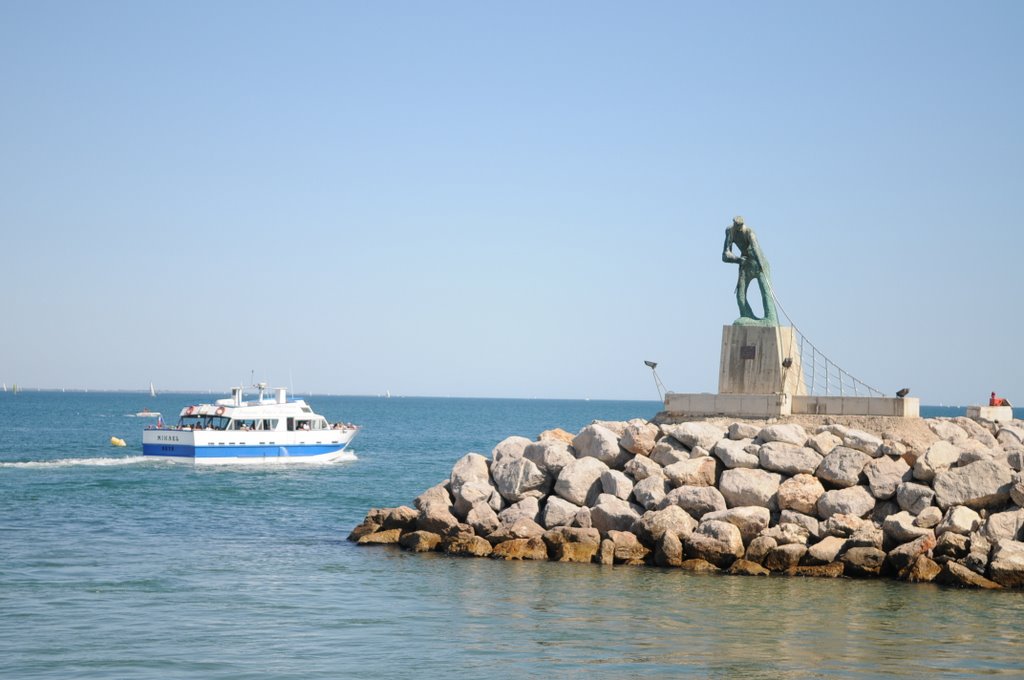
760,360
995,414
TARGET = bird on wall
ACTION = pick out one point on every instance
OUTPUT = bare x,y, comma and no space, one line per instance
904,392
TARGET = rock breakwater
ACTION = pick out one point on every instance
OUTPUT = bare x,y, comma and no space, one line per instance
918,500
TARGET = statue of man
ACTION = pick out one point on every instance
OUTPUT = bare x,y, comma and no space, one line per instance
753,266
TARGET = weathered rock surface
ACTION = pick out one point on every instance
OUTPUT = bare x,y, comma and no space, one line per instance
744,486
579,482
939,456
800,493
558,512
420,541
597,441
733,453
789,433
510,447
654,524
1007,567
716,542
855,500
885,474
612,513
702,434
842,467
923,500
865,442
862,562
914,497
641,467
639,439
519,478
696,500
650,491
616,483
521,549
550,456
567,544
984,484
788,459
692,472
750,520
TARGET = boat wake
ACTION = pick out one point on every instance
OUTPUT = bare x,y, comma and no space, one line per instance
71,462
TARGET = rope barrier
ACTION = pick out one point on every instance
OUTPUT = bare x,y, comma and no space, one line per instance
834,380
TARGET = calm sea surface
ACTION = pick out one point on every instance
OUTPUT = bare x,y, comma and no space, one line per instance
116,567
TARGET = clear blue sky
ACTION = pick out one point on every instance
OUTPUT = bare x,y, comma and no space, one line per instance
519,199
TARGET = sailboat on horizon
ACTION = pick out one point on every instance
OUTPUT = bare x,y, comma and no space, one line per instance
152,390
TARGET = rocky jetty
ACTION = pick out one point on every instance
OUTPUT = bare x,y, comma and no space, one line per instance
918,500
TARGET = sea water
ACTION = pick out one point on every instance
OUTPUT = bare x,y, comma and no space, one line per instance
114,566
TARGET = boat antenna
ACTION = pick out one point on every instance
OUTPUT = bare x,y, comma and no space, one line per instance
653,365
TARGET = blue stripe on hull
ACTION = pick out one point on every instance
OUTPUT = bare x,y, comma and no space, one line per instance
295,451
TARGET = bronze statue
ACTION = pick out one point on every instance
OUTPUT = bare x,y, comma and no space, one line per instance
753,266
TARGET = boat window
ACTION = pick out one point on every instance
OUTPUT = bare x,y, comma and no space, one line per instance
199,422
270,424
247,424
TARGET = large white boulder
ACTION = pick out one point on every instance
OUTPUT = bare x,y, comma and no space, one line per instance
717,542
1007,566
697,433
473,492
854,500
787,433
823,442
668,451
940,456
750,520
550,455
616,483
958,519
650,491
639,438
611,513
862,441
788,459
948,431
842,466
914,497
742,486
696,500
885,474
597,441
692,472
654,524
734,454
642,467
900,528
470,468
800,493
984,484
558,512
579,482
519,478
510,447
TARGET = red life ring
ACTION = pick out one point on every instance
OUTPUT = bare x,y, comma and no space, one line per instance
220,410
190,410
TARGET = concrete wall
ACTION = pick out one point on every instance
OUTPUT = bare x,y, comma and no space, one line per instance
735,405
752,361
909,407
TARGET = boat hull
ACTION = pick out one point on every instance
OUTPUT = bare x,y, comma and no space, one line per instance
216,448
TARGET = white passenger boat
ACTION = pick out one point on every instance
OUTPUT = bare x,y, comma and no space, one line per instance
233,431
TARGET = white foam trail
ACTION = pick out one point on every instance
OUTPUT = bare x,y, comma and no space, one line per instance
70,462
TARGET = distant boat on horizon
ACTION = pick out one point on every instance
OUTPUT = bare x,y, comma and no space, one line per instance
5,387
152,390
